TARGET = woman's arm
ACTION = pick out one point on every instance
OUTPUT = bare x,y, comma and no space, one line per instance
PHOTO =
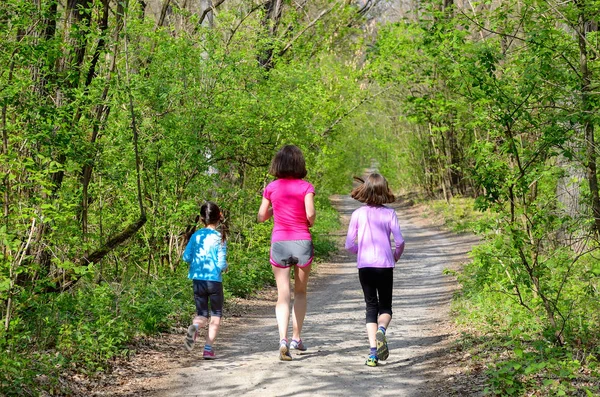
265,211
309,205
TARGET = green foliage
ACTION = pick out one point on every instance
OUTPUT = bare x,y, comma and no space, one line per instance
249,267
461,214
518,364
328,222
86,329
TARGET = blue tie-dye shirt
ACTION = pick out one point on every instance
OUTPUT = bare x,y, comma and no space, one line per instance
206,255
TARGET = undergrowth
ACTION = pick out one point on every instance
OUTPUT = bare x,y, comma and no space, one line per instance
505,327
84,330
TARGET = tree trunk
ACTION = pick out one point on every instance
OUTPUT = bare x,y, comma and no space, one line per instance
587,108
454,161
101,110
273,9
77,20
207,17
163,13
6,179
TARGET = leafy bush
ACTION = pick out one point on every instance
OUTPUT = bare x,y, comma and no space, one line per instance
519,348
461,215
327,222
85,329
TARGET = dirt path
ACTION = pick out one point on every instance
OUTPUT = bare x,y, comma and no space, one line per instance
420,362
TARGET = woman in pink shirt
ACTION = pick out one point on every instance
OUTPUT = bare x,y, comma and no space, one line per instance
290,201
369,237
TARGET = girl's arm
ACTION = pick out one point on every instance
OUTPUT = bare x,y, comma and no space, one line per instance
351,244
309,205
398,239
189,249
222,256
265,211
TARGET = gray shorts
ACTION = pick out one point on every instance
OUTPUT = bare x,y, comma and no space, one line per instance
292,252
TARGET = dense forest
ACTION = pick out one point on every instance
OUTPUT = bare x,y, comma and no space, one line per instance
120,117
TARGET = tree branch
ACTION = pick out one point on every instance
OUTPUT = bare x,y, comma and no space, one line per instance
209,9
163,14
310,25
349,111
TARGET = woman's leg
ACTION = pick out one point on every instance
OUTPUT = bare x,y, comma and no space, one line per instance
282,309
300,284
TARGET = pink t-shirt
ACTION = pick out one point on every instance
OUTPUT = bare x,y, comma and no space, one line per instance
289,213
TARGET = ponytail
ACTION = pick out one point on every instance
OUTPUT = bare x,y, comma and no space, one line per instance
211,215
224,228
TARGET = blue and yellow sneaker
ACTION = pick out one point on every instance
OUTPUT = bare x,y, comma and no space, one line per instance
372,360
382,347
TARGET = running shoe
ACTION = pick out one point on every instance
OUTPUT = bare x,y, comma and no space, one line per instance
190,337
371,360
382,347
284,351
209,355
298,345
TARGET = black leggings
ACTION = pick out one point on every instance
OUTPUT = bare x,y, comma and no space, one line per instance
205,291
377,281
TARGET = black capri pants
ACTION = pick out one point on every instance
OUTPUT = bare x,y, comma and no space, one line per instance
205,291
377,284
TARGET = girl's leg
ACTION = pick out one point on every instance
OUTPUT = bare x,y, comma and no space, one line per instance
385,286
371,331
200,321
215,290
384,320
201,297
367,282
213,330
201,300
299,312
282,309
192,332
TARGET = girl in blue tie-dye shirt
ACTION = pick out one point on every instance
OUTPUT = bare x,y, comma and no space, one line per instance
205,253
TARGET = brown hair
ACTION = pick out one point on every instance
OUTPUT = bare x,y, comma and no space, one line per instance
211,215
288,163
373,191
